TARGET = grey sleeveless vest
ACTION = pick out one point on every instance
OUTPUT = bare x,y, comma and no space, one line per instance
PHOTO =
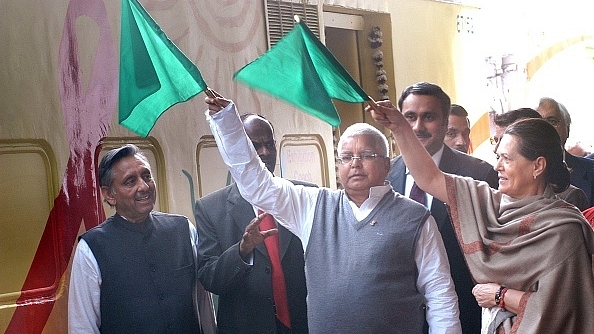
361,275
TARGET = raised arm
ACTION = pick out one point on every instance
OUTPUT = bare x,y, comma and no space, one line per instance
215,101
426,174
291,205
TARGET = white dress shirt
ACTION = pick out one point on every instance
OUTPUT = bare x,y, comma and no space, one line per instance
410,180
294,207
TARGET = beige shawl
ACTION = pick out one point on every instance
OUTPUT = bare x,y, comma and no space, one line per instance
540,245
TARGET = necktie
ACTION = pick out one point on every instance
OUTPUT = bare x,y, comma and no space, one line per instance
279,290
418,194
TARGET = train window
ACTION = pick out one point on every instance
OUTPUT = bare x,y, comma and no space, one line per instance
28,185
212,172
303,157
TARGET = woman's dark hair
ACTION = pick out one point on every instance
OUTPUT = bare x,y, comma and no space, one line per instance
538,138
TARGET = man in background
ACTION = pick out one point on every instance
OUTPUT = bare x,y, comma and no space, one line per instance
503,120
238,271
582,169
458,134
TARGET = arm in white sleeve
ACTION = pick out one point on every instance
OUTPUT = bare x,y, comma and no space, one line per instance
84,315
435,281
292,205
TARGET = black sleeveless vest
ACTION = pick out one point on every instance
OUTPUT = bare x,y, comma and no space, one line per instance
148,274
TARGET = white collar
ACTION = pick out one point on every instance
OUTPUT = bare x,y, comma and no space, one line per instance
436,158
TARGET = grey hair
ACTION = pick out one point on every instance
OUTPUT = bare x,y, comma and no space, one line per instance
558,107
106,174
357,129
565,114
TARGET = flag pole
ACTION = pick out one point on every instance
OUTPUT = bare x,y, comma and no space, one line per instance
213,95
372,103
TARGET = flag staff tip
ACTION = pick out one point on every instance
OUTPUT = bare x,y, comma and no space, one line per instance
297,19
372,103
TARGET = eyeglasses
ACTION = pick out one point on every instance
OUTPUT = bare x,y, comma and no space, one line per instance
494,140
348,159
553,121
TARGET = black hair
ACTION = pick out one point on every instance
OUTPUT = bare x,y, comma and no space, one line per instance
426,88
511,116
458,110
538,138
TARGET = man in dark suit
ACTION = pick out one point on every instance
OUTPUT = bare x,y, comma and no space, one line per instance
426,107
458,134
582,169
232,268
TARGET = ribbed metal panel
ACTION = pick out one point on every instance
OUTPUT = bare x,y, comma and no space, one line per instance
280,18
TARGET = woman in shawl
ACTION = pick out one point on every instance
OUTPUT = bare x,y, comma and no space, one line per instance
529,252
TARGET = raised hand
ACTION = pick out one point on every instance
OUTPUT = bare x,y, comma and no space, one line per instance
386,114
252,236
216,102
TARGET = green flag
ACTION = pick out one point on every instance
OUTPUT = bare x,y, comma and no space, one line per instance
154,73
300,70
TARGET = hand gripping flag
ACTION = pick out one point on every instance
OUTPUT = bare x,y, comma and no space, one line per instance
300,70
154,73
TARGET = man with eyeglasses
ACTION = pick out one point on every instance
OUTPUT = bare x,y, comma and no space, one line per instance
426,107
582,169
374,260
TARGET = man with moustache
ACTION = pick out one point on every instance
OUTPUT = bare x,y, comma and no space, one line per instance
374,260
426,107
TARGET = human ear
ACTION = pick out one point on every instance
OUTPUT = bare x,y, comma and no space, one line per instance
108,195
540,165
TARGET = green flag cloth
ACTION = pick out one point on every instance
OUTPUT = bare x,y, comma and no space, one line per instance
154,73
300,70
